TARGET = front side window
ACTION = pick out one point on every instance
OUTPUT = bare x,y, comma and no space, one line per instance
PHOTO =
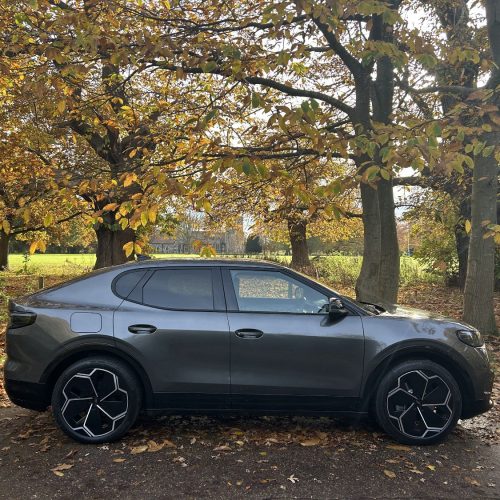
273,291
180,289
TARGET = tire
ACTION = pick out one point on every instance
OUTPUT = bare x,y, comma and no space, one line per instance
418,402
96,400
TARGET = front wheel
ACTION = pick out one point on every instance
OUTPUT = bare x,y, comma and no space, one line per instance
96,400
418,402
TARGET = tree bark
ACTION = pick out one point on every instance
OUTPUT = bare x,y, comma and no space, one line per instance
110,243
389,245
480,282
298,241
462,240
4,250
367,284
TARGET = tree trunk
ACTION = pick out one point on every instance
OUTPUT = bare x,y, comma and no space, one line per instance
298,241
367,284
389,251
4,250
110,245
462,240
480,282
479,285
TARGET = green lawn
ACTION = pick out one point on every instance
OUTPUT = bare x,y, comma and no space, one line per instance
334,269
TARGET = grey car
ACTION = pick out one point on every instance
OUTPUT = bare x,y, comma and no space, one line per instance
244,336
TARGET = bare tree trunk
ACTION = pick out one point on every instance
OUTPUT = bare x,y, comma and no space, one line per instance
480,282
389,251
4,250
367,284
462,241
479,285
110,246
298,241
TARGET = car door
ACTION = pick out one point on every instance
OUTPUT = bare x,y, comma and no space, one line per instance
285,350
174,324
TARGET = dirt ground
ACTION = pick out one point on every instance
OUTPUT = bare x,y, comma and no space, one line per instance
243,457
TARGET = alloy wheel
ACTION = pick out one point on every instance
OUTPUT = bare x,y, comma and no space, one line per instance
94,404
420,406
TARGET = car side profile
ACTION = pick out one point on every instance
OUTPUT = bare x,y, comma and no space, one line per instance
236,336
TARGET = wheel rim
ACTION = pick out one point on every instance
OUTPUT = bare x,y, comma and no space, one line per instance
94,403
420,406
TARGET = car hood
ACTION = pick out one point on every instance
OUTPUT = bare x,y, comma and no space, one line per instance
399,311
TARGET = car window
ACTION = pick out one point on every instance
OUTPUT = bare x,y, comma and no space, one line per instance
273,291
180,289
126,282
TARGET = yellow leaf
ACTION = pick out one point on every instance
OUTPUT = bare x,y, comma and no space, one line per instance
33,247
431,467
132,153
128,248
144,218
152,215
119,460
389,474
129,179
42,246
61,106
468,226
47,220
137,248
110,207
6,226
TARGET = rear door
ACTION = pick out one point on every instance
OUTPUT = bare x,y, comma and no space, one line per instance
175,324
286,353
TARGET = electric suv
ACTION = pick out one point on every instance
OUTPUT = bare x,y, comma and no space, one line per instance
236,336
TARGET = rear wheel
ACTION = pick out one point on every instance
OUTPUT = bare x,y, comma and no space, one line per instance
96,400
418,402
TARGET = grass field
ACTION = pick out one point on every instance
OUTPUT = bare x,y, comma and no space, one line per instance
333,269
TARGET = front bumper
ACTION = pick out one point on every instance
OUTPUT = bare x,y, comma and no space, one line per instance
28,394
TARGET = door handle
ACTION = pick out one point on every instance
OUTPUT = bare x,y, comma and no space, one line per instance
249,333
142,329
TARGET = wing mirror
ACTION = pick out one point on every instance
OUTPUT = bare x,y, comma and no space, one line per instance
336,309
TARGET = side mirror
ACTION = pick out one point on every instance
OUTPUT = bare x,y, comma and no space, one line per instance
336,309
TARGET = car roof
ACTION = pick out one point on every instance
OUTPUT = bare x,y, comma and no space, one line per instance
203,262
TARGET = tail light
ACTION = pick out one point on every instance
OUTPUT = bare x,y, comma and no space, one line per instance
19,316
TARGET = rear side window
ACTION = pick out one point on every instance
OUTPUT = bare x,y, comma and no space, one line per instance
126,282
180,289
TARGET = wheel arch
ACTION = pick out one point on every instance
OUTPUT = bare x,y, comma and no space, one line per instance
55,369
391,360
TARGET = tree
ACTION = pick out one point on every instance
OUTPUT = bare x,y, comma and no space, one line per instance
253,244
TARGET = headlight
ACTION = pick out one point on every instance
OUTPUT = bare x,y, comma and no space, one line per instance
470,337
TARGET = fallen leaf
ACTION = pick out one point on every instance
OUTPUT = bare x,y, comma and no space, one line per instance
431,467
293,479
398,447
389,473
153,446
168,443
58,470
310,442
223,447
119,460
416,471
139,449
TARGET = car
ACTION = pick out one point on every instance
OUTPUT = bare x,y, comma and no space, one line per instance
217,336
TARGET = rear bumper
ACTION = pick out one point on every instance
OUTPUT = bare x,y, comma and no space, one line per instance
28,394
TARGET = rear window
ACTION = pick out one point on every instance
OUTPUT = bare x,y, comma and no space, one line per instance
190,289
126,282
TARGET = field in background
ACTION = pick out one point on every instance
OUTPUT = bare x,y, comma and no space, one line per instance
335,269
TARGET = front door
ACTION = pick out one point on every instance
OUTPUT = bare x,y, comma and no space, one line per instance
286,353
175,325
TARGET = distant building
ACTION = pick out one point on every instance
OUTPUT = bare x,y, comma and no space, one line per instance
231,241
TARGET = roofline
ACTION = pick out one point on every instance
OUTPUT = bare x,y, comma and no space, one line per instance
155,262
